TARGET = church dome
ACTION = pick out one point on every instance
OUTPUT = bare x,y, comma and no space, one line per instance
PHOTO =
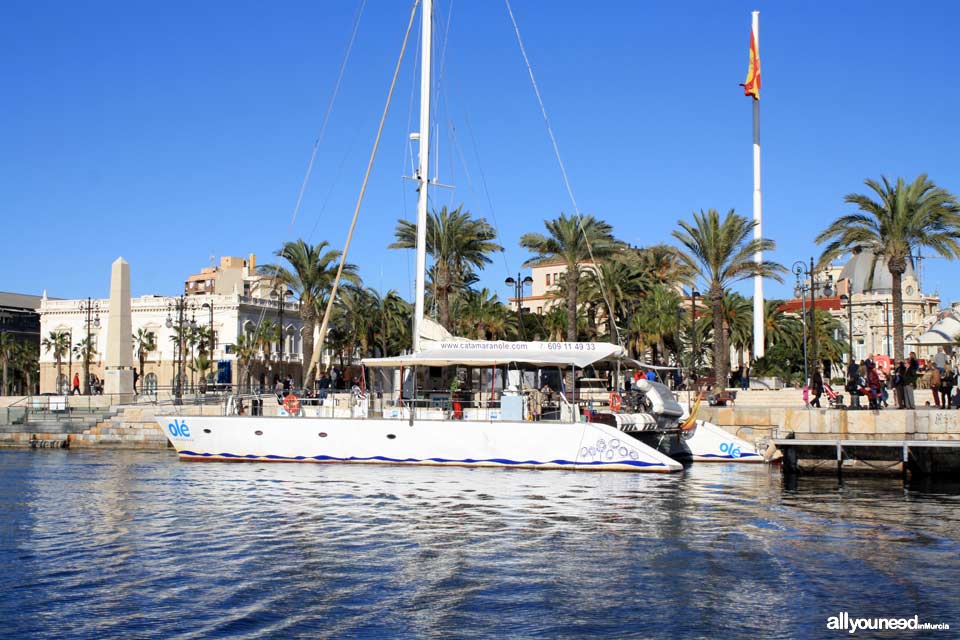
869,274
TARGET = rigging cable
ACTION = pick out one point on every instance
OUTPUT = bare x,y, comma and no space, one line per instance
363,188
313,154
326,117
563,170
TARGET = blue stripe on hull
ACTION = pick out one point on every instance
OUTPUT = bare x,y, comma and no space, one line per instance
719,457
502,461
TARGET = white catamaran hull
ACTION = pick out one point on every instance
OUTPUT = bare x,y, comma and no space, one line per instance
710,443
539,445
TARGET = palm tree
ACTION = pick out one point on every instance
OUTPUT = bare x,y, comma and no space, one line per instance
245,350
905,217
457,242
7,348
721,253
619,281
780,327
392,324
26,360
555,324
738,322
144,341
268,333
85,351
57,343
663,264
484,317
202,364
311,274
571,239
656,318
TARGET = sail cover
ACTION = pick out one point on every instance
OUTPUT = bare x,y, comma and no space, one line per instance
479,353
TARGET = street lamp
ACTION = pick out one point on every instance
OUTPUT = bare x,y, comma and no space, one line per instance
89,308
518,285
801,272
886,318
70,361
180,306
849,300
281,299
212,337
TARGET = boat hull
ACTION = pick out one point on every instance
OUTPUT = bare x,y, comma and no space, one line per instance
710,443
535,445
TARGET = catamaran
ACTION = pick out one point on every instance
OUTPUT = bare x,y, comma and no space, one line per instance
498,420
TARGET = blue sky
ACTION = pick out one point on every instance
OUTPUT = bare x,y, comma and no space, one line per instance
171,132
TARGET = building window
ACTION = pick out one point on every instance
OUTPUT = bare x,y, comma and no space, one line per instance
548,279
539,309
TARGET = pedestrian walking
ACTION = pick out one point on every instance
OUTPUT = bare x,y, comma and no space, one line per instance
76,384
947,382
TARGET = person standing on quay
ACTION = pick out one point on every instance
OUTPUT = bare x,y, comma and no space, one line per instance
940,360
910,381
935,381
899,373
817,388
873,384
947,381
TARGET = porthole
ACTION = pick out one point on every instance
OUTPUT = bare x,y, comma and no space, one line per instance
322,434
391,436
258,433
207,431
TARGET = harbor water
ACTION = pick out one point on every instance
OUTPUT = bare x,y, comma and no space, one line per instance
97,544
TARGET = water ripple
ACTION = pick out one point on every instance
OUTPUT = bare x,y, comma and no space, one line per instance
133,545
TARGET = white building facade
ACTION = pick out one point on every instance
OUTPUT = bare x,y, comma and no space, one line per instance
233,315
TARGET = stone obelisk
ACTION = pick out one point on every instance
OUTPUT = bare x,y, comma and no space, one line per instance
118,378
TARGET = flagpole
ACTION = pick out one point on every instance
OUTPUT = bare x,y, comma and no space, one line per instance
758,306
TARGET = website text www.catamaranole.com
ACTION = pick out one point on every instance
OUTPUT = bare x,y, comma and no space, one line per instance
517,346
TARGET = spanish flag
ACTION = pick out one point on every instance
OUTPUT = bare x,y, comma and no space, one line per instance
751,86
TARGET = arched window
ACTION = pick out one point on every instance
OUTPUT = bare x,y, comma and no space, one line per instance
150,383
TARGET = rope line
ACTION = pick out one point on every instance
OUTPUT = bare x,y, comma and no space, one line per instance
563,170
315,358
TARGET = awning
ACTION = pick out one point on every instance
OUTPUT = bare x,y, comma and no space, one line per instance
944,331
479,353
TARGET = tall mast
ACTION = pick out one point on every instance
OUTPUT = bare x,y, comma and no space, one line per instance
423,173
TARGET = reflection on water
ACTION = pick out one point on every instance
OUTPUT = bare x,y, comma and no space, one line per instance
98,544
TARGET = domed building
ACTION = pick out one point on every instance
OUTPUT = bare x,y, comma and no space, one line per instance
867,282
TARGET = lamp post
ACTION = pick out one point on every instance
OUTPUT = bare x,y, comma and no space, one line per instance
518,285
281,299
799,269
212,337
89,308
70,361
180,307
799,290
849,300
886,318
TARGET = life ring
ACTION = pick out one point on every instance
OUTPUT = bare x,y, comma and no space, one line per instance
615,401
291,404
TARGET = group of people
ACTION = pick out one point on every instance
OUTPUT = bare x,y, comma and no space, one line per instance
96,385
868,379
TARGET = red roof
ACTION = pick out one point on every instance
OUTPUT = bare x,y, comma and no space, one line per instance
823,304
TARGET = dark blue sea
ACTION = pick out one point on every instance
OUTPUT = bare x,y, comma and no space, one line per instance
97,544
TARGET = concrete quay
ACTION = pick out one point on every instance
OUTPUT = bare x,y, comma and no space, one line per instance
133,427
